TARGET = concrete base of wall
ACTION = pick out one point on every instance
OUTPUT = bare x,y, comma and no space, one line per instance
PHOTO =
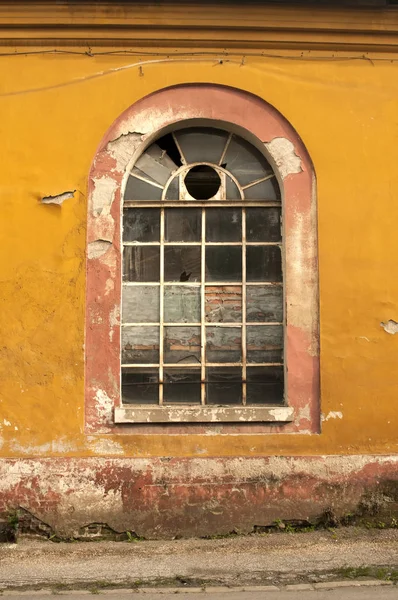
166,497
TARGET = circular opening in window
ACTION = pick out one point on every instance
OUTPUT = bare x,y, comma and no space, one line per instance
202,182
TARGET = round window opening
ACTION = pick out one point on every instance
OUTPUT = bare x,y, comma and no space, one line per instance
202,182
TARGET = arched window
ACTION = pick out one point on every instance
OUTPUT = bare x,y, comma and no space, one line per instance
202,300
202,280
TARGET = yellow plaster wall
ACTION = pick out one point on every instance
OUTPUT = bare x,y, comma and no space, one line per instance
54,111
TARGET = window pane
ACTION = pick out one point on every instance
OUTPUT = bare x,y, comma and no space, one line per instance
232,190
223,304
140,386
224,385
265,385
141,225
182,263
264,344
223,344
181,386
141,263
245,162
181,304
263,263
264,303
173,190
263,224
223,225
140,345
223,263
182,344
183,224
136,189
156,164
266,190
140,304
202,144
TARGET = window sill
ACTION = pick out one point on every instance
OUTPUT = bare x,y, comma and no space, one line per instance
204,414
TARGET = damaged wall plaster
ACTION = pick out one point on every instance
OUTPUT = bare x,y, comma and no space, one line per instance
59,199
284,155
390,327
98,248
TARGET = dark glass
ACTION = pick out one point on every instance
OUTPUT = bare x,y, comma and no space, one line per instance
223,225
245,162
265,190
202,182
263,224
232,190
181,386
140,386
224,385
173,190
223,263
264,344
264,385
182,263
141,263
140,304
223,304
263,263
140,345
223,344
264,303
136,189
183,224
182,304
141,225
182,345
202,144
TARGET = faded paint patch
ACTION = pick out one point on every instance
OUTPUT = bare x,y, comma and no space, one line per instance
104,406
59,199
98,248
333,414
285,157
390,327
104,446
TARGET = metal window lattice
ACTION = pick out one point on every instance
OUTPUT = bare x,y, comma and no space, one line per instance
202,301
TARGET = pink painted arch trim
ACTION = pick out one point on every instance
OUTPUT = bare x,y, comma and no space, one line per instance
125,140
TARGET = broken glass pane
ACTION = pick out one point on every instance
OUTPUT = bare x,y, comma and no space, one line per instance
202,182
181,386
181,304
140,304
140,345
265,190
202,144
182,344
264,303
141,224
224,385
182,263
264,344
263,263
141,263
140,386
232,190
183,224
223,225
223,263
156,164
223,304
263,224
265,385
245,162
173,190
136,189
224,344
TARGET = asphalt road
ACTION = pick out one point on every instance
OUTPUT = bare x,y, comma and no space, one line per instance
361,593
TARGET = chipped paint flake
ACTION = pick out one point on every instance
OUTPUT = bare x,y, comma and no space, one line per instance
103,195
59,199
104,406
98,248
284,155
333,414
123,148
390,327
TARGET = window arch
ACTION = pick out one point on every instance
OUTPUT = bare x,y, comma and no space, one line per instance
203,316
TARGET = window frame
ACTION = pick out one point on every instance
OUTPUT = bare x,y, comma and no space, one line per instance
260,124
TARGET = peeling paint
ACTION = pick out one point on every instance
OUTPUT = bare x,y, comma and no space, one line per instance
103,195
333,414
104,406
123,148
97,248
390,327
59,199
283,152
